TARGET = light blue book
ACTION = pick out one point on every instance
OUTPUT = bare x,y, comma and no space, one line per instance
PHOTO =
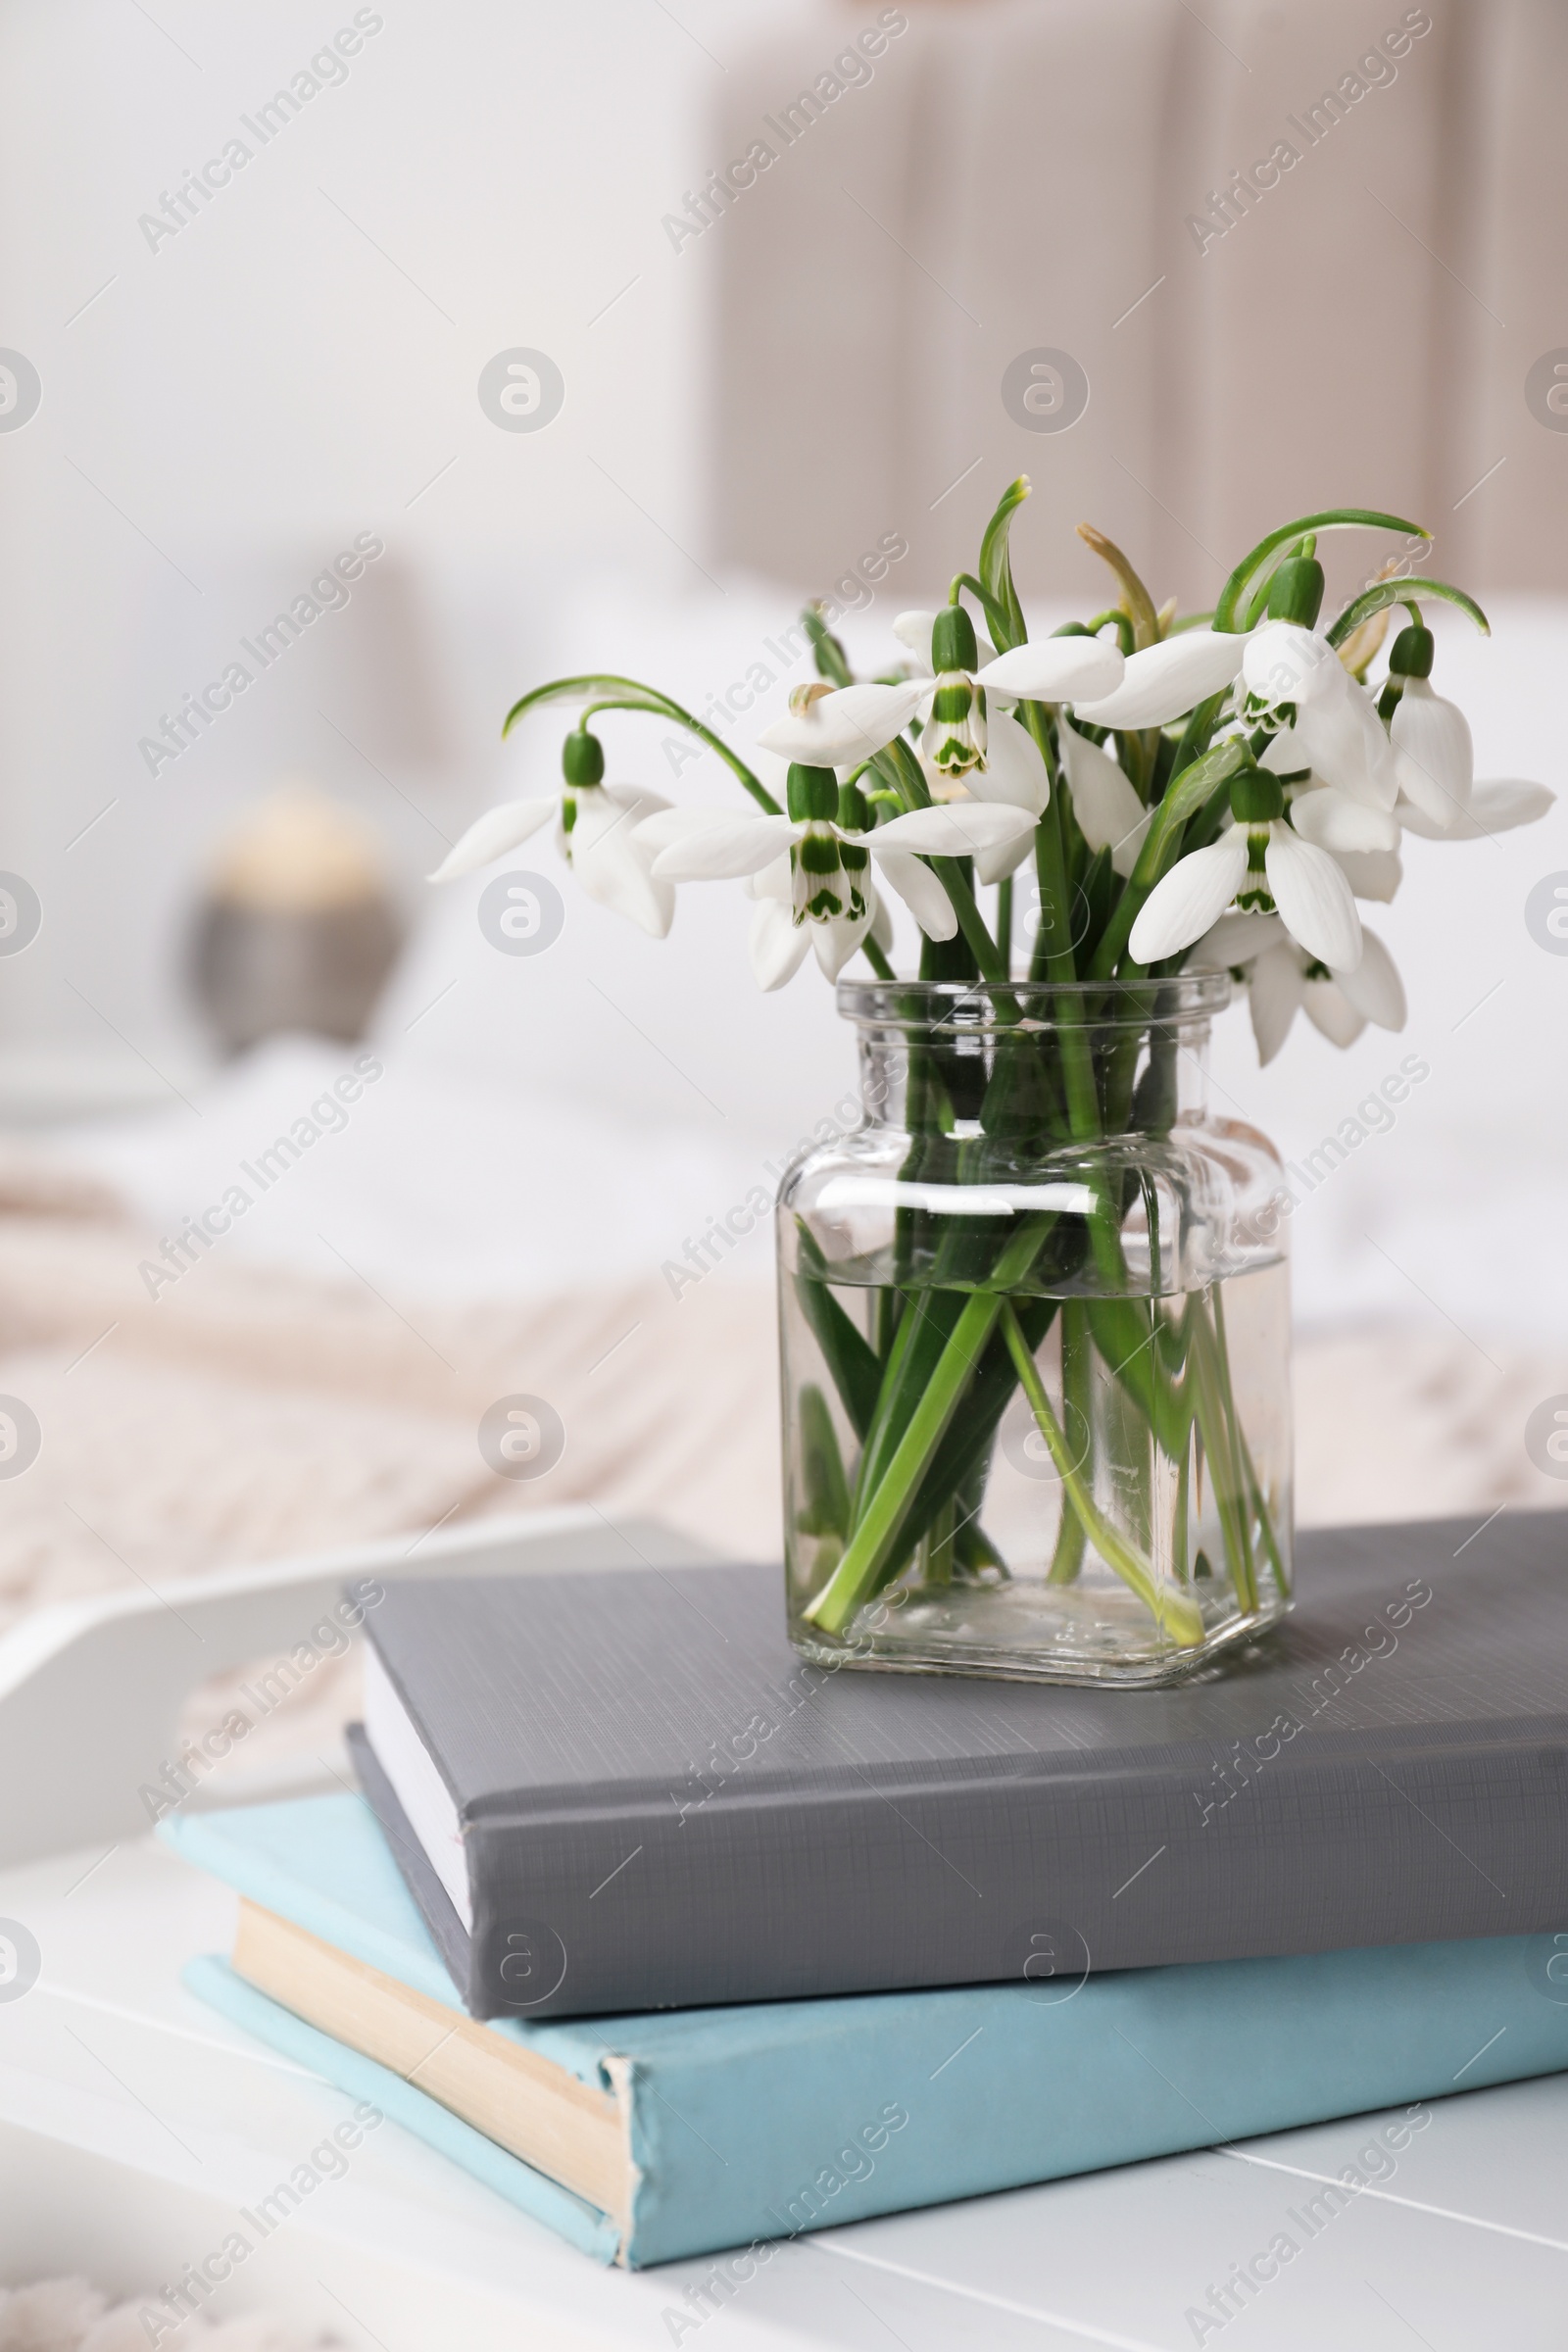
688,2132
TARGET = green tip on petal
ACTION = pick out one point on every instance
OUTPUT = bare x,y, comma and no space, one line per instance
582,757
813,795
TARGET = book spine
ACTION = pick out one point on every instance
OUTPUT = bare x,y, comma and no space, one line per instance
768,1897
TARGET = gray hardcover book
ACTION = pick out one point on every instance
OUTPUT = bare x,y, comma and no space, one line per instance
627,1791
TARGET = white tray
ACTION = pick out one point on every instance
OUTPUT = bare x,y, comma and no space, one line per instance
135,2126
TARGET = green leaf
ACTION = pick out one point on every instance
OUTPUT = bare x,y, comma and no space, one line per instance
1395,592
831,662
1185,795
827,1489
998,620
1256,567
1258,602
1136,601
996,567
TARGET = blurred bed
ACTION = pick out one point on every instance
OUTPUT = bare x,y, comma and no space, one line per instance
515,1204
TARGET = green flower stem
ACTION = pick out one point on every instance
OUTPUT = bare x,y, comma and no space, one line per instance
1172,1610
882,1507
615,693
877,1531
1076,1406
1217,1426
949,872
1056,930
1266,1524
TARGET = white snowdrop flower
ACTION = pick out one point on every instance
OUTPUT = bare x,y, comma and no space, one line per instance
1335,730
1493,807
1164,681
596,829
1261,862
1433,756
845,726
824,844
1110,815
1282,979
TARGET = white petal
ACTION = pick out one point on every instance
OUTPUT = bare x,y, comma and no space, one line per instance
666,825
917,886
1192,897
493,834
1283,663
1342,738
1434,757
775,880
1331,1012
882,923
1371,873
1014,770
722,852
914,631
837,941
612,866
1494,807
643,804
1054,670
845,726
1165,680
1283,754
1110,815
776,945
1004,859
1235,939
955,829
1274,997
1375,988
1314,900
1335,821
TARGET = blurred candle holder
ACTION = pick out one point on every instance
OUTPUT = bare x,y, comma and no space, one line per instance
298,928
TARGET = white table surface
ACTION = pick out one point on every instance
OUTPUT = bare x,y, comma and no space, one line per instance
134,2123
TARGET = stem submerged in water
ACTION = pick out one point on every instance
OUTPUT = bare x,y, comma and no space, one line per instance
1171,1608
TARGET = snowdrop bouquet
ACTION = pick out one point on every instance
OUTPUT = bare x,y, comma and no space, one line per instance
1035,1329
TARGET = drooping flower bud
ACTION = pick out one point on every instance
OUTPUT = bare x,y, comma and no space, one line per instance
582,763
812,794
853,814
826,875
1410,655
1256,797
1296,591
954,738
953,641
582,757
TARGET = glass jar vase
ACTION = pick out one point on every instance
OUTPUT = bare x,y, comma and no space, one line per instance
1035,1324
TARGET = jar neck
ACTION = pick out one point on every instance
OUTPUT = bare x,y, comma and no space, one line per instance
929,1052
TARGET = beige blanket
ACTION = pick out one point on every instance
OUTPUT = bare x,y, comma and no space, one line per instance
249,1413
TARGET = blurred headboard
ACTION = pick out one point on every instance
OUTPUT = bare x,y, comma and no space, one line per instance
1302,255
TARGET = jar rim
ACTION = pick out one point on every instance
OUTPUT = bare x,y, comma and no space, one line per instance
973,1005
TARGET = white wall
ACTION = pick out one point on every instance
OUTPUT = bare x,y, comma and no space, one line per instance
239,403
